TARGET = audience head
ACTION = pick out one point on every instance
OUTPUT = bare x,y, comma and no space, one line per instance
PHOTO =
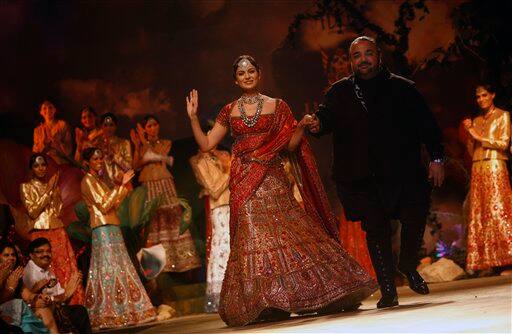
9,254
40,251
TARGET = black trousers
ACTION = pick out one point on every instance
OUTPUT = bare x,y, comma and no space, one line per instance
365,200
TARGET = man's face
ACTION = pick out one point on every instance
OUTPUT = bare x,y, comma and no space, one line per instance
42,256
365,59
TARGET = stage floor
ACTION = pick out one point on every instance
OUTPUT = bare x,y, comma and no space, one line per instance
468,306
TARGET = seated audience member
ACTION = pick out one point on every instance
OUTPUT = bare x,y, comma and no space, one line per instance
40,279
16,316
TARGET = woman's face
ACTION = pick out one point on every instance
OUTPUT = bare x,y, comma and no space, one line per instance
88,119
152,128
109,128
247,76
48,111
96,162
8,255
40,168
484,98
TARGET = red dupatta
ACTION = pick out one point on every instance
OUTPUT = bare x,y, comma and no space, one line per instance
251,163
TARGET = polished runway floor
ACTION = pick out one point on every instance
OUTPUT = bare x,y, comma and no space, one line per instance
469,306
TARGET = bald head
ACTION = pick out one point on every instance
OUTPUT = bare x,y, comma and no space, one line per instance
364,57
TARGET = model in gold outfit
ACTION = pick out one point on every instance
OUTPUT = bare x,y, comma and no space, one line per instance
489,237
43,202
117,151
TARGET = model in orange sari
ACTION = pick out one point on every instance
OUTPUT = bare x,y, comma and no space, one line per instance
52,137
284,259
43,202
489,236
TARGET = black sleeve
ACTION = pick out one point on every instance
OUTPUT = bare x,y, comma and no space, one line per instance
325,113
429,131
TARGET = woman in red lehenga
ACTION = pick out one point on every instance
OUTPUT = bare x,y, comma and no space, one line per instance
284,259
353,239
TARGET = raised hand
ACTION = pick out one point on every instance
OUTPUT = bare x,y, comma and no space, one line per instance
79,136
128,176
192,103
134,137
14,278
467,123
53,181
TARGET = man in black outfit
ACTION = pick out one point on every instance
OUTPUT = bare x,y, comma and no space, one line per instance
379,122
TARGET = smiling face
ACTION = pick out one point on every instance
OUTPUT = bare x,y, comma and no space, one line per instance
42,256
365,59
88,119
152,128
96,162
247,76
48,111
8,255
484,98
40,167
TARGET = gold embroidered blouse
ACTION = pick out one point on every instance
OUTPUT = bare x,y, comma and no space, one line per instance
43,205
495,130
102,200
155,170
118,157
212,173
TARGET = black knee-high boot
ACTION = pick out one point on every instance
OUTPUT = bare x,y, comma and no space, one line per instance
413,228
382,259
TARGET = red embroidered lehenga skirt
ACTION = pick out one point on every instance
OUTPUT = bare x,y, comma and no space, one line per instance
281,260
490,216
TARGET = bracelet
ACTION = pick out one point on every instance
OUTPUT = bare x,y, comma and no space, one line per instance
438,161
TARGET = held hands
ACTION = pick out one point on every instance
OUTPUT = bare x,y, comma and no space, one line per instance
79,136
40,285
192,103
306,121
314,126
128,176
134,137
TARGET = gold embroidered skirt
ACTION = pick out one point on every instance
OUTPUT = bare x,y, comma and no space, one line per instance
490,216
